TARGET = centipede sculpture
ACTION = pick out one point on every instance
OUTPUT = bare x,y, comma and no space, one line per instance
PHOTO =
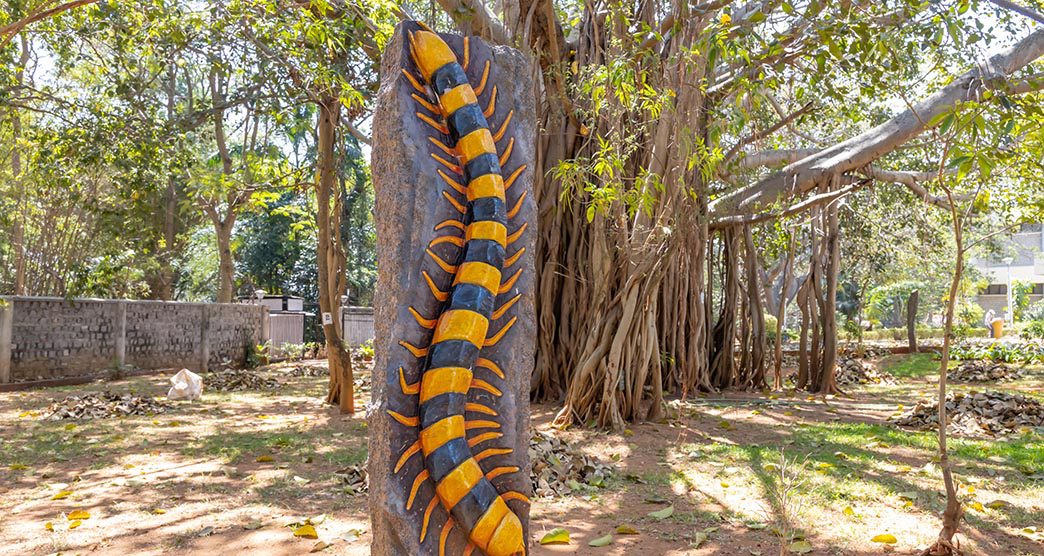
452,153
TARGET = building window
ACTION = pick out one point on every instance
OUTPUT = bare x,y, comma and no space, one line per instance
1038,289
996,289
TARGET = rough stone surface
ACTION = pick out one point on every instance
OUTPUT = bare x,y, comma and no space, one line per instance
54,337
409,203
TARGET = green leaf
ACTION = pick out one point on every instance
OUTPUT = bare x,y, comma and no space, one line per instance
558,535
663,514
800,547
602,541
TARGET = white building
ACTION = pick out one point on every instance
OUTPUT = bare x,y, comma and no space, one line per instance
1025,250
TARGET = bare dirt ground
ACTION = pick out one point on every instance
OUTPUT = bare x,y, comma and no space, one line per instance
743,474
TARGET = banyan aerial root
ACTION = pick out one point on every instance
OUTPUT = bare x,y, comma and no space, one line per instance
457,435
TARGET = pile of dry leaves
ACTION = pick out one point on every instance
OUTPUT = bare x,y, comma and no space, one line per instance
865,351
302,370
102,405
981,414
855,371
233,380
982,371
355,479
559,469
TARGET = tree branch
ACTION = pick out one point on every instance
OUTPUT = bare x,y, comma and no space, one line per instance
10,30
861,150
1019,9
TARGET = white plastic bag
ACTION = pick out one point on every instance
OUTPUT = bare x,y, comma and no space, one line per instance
186,385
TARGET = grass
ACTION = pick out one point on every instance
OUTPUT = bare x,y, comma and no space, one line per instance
914,365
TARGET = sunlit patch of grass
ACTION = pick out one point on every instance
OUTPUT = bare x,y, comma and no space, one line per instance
911,365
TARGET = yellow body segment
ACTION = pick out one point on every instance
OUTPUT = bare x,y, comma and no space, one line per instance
488,523
457,483
479,274
457,98
507,539
486,185
441,432
444,380
432,52
461,324
487,229
475,144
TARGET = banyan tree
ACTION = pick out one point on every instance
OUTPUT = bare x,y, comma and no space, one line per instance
670,132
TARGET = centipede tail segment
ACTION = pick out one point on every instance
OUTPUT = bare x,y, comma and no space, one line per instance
452,167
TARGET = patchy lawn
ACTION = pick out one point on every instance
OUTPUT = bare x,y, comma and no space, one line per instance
743,474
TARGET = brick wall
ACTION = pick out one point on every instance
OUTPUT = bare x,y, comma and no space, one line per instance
42,337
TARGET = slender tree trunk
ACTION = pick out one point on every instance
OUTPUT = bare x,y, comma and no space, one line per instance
331,259
18,234
781,314
226,267
911,320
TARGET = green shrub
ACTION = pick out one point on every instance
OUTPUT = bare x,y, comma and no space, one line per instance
1034,330
257,355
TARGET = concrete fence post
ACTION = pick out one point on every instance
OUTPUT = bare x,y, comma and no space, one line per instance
121,333
204,339
266,325
6,328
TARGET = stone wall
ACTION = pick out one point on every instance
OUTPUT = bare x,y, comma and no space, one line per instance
44,338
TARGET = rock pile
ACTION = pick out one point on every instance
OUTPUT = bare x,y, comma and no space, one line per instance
977,414
854,371
982,371
233,380
103,405
559,470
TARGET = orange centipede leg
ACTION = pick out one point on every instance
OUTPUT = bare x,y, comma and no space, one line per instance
490,452
451,223
407,388
487,364
481,424
470,548
484,437
416,351
507,152
491,106
450,268
504,308
513,258
413,81
408,421
442,147
436,125
427,517
514,175
482,82
452,167
417,482
452,183
458,241
456,204
506,286
503,127
515,495
446,528
480,384
518,205
492,340
479,408
434,109
518,233
413,450
498,471
467,54
426,323
435,291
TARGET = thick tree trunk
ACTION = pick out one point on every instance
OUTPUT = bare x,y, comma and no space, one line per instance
331,258
226,266
911,320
